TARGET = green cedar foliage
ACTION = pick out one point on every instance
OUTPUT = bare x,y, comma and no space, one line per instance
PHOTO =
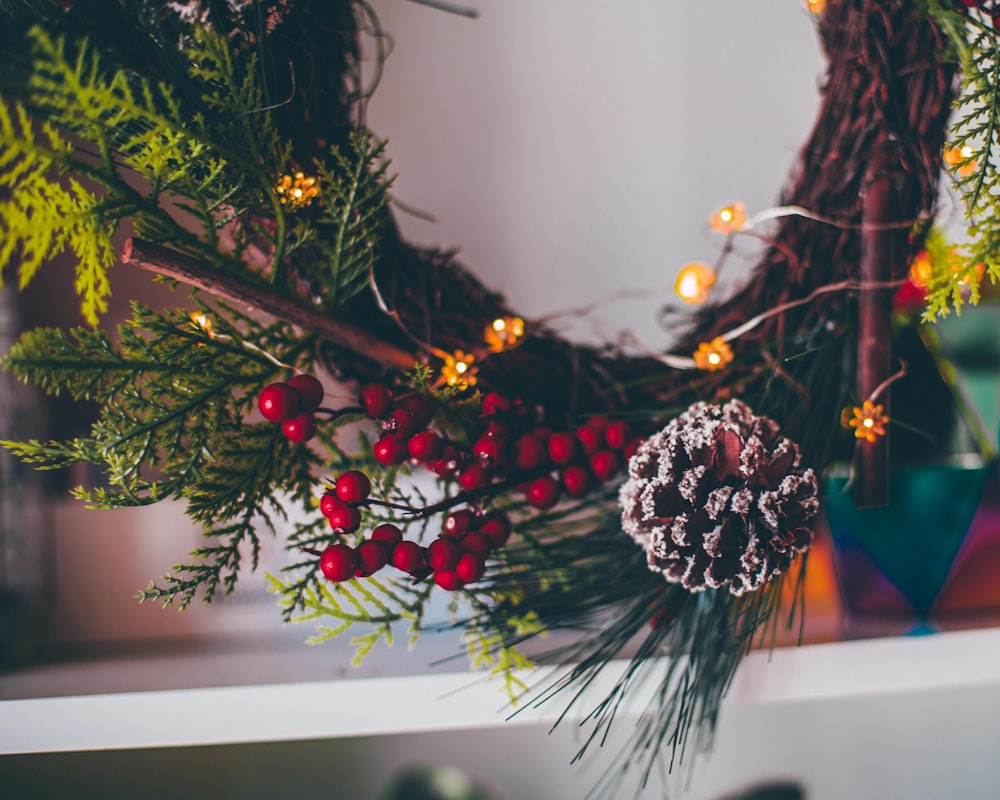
976,44
174,400
93,145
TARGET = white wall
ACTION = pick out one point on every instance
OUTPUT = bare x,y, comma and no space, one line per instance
575,149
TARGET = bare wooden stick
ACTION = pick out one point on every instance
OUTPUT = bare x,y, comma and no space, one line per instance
881,203
172,264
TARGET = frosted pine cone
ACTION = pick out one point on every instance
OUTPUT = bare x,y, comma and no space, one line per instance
717,499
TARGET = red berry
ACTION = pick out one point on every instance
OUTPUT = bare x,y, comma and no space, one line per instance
605,464
591,439
449,464
473,477
353,486
420,408
442,554
494,403
327,502
497,529
470,567
389,450
491,452
338,562
278,402
529,452
309,390
497,428
346,518
576,479
425,446
543,492
300,428
475,542
373,556
632,447
448,579
400,422
375,399
618,435
388,534
409,557
562,447
458,523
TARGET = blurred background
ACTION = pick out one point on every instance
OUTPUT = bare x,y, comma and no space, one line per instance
572,154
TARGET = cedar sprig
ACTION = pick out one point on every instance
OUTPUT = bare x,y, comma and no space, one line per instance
134,126
375,604
174,395
978,128
340,244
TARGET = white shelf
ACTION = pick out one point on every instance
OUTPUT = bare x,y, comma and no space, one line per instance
914,717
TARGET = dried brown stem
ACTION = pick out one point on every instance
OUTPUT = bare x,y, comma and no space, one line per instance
882,257
172,264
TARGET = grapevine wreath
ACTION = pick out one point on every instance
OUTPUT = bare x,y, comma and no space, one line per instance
659,498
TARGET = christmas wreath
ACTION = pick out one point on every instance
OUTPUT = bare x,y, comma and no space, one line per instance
660,502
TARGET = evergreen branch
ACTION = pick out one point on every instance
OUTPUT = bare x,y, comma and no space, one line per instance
977,134
354,203
353,603
217,566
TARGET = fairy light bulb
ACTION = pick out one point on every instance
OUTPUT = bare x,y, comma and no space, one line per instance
296,190
921,270
713,355
203,323
503,332
816,6
961,160
868,420
729,219
459,370
694,282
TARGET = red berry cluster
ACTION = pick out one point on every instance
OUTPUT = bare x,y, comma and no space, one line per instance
457,557
292,404
511,450
576,460
404,425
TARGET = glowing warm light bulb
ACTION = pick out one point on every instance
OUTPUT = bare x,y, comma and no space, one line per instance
458,370
921,270
713,355
816,6
203,323
729,219
961,159
296,190
868,420
694,282
503,332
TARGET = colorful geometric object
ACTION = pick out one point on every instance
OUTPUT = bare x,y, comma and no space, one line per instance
897,559
974,581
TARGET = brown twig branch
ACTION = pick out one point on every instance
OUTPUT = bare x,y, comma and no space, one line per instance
177,266
881,258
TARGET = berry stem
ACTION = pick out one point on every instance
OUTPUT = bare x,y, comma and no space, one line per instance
462,497
338,412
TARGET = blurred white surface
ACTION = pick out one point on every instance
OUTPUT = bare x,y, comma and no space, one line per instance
574,150
570,151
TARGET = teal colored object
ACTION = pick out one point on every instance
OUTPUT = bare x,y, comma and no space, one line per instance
915,539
